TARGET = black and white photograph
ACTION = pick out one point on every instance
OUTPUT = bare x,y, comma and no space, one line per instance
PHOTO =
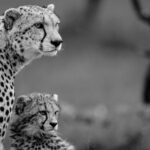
74,75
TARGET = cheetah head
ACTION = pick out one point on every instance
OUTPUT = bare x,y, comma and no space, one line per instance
33,31
36,113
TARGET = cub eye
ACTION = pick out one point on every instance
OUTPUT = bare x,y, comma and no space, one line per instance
39,25
43,112
56,112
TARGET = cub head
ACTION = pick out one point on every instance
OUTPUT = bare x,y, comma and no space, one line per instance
36,113
33,31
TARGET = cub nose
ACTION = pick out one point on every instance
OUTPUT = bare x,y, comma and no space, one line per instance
56,43
53,124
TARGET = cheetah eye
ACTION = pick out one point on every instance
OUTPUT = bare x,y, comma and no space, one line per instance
57,24
39,25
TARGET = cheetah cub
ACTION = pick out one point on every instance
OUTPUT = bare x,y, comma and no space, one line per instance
36,123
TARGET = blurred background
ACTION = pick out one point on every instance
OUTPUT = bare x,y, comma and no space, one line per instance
99,76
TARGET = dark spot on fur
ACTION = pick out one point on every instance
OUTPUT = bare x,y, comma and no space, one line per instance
1,63
7,103
3,133
1,99
14,64
9,77
2,84
1,108
7,81
1,119
3,94
7,56
7,62
22,50
15,57
11,86
12,101
7,98
2,77
5,75
11,94
5,66
7,112
4,126
2,56
19,41
6,87
15,47
10,71
8,119
21,46
5,90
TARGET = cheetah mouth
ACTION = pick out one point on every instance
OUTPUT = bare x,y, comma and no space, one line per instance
55,50
52,52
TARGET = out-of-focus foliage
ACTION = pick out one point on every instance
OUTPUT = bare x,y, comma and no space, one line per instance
120,128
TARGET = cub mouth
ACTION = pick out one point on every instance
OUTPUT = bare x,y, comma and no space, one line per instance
47,129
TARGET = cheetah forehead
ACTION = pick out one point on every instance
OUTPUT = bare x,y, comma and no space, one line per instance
32,13
44,99
32,10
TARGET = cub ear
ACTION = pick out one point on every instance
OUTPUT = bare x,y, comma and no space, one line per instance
21,104
10,16
51,7
55,97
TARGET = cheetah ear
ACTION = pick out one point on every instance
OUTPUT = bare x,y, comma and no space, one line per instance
51,7
10,16
21,104
55,97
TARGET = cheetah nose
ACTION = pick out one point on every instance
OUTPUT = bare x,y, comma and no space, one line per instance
53,124
56,43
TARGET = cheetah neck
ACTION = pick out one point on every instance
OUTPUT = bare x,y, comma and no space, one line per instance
34,140
45,141
17,61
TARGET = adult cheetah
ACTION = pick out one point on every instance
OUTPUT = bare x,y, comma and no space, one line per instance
26,33
35,123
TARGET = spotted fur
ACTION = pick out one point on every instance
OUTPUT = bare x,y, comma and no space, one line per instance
36,122
26,33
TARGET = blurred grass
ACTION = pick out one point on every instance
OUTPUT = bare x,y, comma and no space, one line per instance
99,65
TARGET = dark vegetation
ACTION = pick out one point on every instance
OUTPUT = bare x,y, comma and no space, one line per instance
146,19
